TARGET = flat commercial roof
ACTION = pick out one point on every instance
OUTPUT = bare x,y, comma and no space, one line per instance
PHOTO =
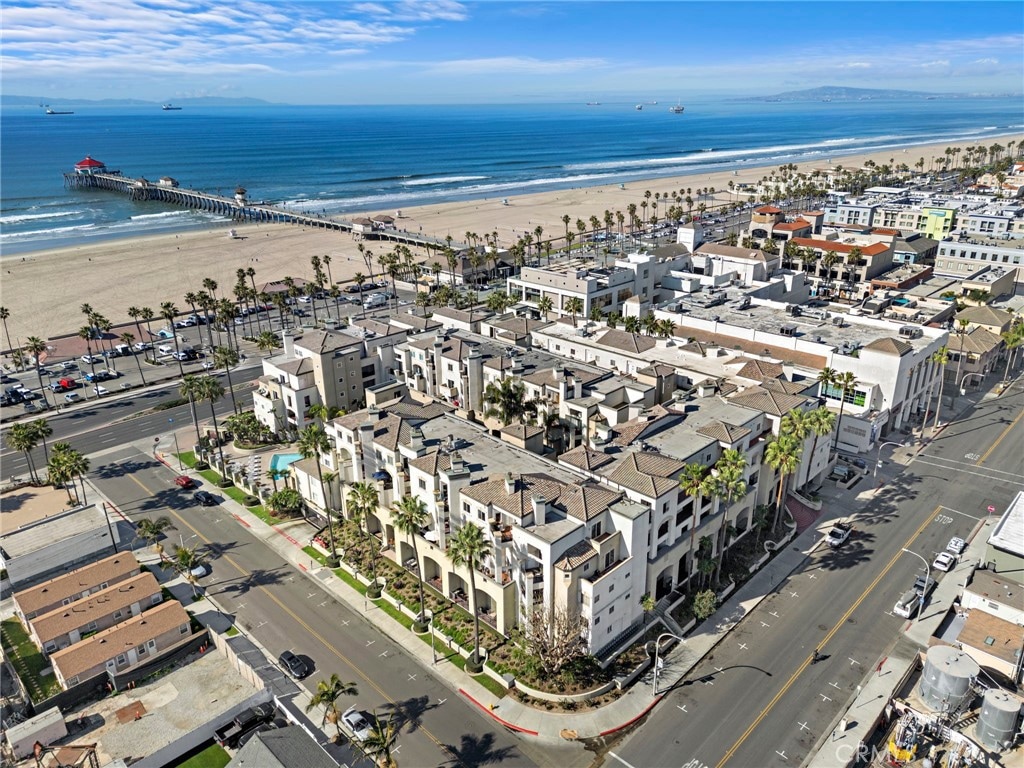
1009,531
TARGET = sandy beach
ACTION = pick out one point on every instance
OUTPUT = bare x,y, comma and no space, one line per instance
44,290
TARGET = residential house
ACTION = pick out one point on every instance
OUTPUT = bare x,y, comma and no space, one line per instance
75,585
115,650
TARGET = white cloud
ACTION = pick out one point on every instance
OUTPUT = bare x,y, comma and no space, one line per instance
933,64
855,65
511,65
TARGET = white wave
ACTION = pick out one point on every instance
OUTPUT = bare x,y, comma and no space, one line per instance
163,215
55,232
17,218
441,180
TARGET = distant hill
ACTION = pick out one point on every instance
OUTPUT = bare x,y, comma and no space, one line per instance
838,93
13,100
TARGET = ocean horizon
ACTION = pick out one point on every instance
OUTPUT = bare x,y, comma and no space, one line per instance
373,159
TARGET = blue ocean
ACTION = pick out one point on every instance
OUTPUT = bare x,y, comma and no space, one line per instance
349,159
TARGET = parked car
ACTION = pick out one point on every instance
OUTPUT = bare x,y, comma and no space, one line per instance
209,365
944,561
101,390
839,535
204,498
68,365
71,397
199,571
296,667
142,346
356,723
92,359
956,545
184,481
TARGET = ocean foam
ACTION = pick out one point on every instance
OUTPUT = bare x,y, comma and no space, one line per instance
18,218
441,180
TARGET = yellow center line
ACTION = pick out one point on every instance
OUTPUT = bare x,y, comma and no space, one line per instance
999,439
789,683
308,628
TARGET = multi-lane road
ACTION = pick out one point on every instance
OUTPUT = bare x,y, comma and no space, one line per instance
758,700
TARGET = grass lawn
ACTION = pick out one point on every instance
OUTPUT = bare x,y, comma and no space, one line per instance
28,661
213,756
188,458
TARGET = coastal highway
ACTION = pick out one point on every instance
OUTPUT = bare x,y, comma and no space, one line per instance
283,609
757,700
123,418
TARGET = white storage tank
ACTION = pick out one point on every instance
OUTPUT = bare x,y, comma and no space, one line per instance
997,723
947,678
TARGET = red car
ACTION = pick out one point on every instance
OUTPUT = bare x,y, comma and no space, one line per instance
184,481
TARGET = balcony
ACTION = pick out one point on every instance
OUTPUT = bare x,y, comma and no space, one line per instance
602,573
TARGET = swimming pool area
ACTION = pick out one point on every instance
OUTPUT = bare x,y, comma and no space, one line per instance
279,462
901,302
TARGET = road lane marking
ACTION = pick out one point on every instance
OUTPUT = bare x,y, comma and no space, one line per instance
807,661
358,670
986,475
628,765
972,464
999,439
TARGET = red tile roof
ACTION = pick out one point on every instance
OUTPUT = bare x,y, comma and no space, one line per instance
833,245
885,231
767,209
89,163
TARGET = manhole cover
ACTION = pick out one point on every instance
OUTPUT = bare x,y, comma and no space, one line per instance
822,627
851,621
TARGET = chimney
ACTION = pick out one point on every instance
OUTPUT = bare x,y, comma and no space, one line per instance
540,510
458,465
510,484
288,338
416,440
373,414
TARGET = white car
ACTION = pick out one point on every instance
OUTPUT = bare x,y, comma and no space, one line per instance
208,365
91,359
71,397
944,561
356,723
199,571
956,545
100,390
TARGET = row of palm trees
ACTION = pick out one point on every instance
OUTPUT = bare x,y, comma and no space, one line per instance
64,464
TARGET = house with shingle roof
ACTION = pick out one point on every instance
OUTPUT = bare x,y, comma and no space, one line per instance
139,640
747,264
990,318
75,585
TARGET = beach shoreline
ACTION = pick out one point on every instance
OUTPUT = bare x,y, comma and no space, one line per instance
43,290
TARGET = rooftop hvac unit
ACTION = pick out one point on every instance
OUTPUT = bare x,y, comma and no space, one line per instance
909,331
837,321
788,330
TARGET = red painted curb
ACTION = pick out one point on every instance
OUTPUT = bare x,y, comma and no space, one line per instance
302,566
241,521
630,722
506,723
282,533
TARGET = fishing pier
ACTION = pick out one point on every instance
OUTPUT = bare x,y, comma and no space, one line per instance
92,174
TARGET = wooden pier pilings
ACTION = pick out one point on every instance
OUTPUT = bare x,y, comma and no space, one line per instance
237,208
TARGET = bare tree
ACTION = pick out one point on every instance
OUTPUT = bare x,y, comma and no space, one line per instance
555,638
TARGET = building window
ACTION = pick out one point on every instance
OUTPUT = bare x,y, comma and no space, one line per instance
611,610
609,559
141,650
423,485
595,530
117,614
50,647
121,660
597,619
183,629
91,627
155,599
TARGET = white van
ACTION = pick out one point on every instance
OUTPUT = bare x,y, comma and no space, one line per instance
906,606
165,349
375,300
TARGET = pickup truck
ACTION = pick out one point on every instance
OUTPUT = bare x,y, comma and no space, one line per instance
839,535
228,735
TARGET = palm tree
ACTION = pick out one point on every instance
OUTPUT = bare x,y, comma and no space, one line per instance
212,390
313,442
467,549
1013,337
506,401
58,474
821,421
227,358
326,695
363,499
380,744
21,437
266,341
4,314
86,332
961,331
545,305
782,455
35,347
846,382
128,338
41,429
147,316
940,357
186,559
168,312
135,313
574,306
192,388
691,480
150,531
410,516
729,483
73,463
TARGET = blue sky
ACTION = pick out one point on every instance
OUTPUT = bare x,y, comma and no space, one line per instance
442,51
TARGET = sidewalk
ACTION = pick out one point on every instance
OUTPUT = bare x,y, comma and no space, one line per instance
513,714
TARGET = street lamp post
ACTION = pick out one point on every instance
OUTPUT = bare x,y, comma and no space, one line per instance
177,451
927,579
657,652
878,458
965,377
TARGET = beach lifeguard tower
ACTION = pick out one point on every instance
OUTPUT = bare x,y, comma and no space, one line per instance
240,195
89,166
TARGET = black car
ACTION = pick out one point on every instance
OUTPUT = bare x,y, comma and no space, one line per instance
205,498
296,667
